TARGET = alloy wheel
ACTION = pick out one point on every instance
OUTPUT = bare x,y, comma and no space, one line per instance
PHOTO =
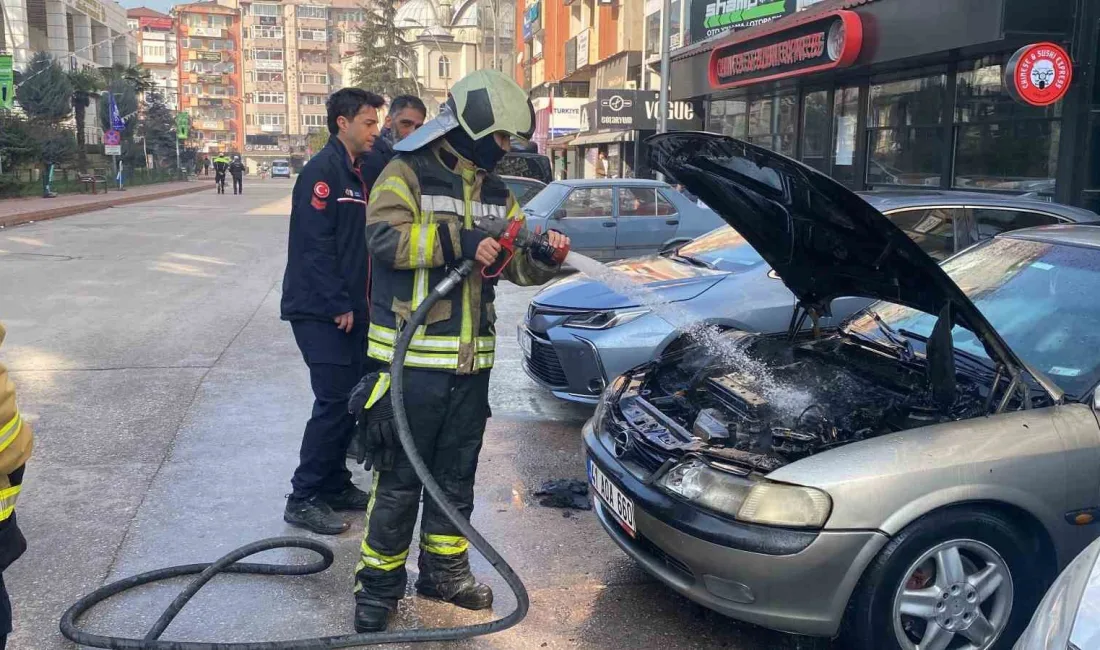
956,596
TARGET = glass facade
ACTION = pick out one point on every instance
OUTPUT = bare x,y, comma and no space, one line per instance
956,128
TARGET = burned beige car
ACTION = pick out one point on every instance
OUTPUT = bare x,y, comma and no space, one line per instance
913,480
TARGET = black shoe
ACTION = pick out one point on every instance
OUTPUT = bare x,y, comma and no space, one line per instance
473,596
315,515
371,618
350,498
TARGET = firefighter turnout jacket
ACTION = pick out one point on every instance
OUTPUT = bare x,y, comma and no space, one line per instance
326,270
16,440
419,208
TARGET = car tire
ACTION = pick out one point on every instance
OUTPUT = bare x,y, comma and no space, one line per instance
873,621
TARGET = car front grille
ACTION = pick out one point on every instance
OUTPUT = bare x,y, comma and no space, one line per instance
649,548
545,365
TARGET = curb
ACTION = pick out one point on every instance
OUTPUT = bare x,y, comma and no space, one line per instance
67,211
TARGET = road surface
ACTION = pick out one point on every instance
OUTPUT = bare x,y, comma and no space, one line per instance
169,399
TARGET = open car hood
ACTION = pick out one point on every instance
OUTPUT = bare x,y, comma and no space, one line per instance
821,239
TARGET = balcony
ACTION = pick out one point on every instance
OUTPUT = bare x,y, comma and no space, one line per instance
267,65
313,89
313,66
207,32
312,23
311,45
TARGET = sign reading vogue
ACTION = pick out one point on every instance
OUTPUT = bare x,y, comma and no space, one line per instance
830,41
625,110
1039,74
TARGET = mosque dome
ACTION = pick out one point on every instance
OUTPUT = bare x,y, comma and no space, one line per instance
415,14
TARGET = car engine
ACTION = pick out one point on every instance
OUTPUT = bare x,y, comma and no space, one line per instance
773,401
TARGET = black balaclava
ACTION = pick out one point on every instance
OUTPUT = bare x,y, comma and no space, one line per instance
485,153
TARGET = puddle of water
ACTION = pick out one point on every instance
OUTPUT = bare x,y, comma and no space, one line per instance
730,351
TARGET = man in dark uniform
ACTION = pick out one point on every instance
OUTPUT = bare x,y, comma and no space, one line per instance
407,114
236,170
325,300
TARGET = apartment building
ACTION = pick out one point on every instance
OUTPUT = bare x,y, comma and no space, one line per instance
157,50
210,87
293,54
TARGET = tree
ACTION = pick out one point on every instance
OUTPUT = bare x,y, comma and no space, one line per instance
45,92
17,140
86,86
384,59
138,78
158,127
318,140
126,100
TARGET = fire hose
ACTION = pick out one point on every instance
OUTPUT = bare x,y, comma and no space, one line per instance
231,563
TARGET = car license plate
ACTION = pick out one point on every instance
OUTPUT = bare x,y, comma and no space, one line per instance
621,506
524,340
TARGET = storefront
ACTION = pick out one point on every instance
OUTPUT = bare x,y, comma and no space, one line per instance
883,93
614,128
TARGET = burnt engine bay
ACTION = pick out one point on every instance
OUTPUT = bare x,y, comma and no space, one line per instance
775,401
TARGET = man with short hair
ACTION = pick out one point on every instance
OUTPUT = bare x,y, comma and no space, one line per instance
325,300
236,170
407,114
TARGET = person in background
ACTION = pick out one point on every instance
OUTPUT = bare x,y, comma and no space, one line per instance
407,114
16,441
236,169
206,166
325,300
603,168
221,166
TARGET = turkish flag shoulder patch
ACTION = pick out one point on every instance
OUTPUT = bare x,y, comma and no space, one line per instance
320,190
317,203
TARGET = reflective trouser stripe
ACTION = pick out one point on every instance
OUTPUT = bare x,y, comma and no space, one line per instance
384,352
7,501
444,544
10,430
368,557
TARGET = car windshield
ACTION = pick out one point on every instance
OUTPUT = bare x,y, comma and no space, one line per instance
546,200
524,190
723,249
1039,296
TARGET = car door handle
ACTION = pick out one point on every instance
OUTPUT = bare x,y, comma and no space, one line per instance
672,222
609,224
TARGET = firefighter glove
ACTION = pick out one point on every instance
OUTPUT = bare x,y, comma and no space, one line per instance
374,423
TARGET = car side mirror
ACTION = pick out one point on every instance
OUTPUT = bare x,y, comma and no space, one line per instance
1096,401
558,214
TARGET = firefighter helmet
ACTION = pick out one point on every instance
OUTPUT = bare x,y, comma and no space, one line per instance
481,103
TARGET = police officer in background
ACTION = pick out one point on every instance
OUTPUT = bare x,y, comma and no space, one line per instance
325,300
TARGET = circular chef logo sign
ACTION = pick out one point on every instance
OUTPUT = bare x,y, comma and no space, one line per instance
835,40
1039,74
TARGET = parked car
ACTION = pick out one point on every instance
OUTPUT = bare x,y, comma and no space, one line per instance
280,169
610,219
581,334
913,479
1068,618
525,189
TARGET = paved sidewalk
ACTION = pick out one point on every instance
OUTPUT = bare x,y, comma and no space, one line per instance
17,211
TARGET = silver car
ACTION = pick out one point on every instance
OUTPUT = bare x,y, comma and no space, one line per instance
913,480
1069,616
578,334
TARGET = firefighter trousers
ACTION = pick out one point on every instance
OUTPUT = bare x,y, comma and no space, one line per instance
447,415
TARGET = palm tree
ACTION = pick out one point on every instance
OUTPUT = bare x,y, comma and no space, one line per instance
86,86
138,78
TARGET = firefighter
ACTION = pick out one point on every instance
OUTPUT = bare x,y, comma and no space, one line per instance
16,440
419,224
325,300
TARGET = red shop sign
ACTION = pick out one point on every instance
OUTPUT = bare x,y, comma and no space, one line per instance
823,42
1039,74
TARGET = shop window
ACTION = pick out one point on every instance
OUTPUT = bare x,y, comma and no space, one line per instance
815,129
905,140
728,117
932,229
588,202
845,120
772,123
994,221
643,202
1001,144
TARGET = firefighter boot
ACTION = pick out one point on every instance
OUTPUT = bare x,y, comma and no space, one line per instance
371,617
448,578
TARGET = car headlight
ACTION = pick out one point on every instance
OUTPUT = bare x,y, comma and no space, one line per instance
601,320
604,403
749,499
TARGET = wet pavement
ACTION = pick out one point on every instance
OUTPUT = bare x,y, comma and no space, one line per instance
168,400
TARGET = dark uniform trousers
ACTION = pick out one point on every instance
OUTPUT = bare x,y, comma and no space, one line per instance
335,361
447,415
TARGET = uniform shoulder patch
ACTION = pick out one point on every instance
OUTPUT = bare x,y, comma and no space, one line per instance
317,203
320,190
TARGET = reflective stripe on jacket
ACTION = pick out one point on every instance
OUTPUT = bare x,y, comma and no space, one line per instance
418,208
16,442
